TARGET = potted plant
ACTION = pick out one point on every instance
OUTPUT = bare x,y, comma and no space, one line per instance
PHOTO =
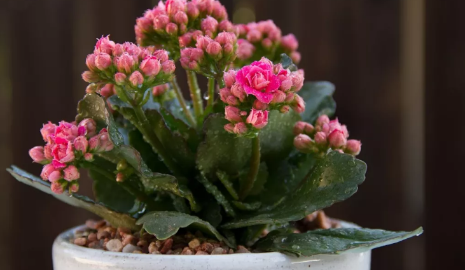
242,172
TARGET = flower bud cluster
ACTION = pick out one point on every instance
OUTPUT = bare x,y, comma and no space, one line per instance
126,64
172,24
66,145
266,39
210,56
324,135
254,90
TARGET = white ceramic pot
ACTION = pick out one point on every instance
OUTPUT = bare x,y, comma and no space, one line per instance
67,256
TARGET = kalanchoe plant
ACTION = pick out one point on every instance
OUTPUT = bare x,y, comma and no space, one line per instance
262,155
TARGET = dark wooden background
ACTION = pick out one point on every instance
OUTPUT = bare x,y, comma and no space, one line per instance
399,89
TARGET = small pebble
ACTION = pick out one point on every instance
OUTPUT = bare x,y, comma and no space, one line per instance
128,239
166,246
217,251
201,253
194,243
80,241
153,247
114,245
130,248
207,247
187,251
92,237
242,249
103,234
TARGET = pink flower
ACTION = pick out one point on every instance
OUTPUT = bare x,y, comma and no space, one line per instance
214,48
297,78
150,66
160,22
337,139
71,173
48,132
90,62
192,10
229,78
136,78
58,188
278,97
171,28
219,11
259,80
108,90
258,119
81,144
224,94
37,154
181,17
125,63
233,114
103,61
63,151
191,57
321,139
120,78
353,147
173,6
229,128
54,176
323,119
299,104
245,49
240,128
296,57
303,143
209,26
74,187
104,45
226,26
168,67
46,171
101,142
87,127
159,90
67,131
290,42
90,77
238,91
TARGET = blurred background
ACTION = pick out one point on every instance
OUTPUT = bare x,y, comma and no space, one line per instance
398,66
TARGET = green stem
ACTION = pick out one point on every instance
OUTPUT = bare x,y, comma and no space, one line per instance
141,196
211,95
196,95
254,168
182,102
150,135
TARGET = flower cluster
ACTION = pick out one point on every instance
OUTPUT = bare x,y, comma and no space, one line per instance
210,56
264,38
66,145
171,25
259,87
324,135
126,65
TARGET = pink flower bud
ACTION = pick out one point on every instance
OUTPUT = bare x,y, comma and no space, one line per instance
231,100
81,144
48,151
303,127
174,6
285,109
185,40
353,147
245,49
136,78
150,66
238,92
160,22
209,26
144,23
71,173
228,50
120,177
226,26
229,78
101,142
192,10
260,105
120,78
159,90
125,63
224,94
171,29
205,6
258,119
181,17
299,104
267,43
89,157
168,67
323,119
304,143
66,130
297,78
46,171
90,77
240,128
203,42
108,90
104,45
214,48
58,188
290,42
90,62
48,132
233,114
219,11
103,61
321,139
55,176
190,58
73,187
90,127
278,97
229,128
337,139
296,57
37,154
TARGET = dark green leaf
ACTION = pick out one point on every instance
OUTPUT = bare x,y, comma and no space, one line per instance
115,218
277,138
226,181
332,241
211,212
319,100
221,150
260,181
215,192
92,106
179,127
287,62
247,206
334,178
152,160
166,224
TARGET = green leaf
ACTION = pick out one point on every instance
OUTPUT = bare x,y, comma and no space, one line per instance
151,158
115,218
92,106
260,181
166,224
177,126
277,138
334,178
221,150
247,206
331,241
211,212
319,100
216,193
226,181
287,62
